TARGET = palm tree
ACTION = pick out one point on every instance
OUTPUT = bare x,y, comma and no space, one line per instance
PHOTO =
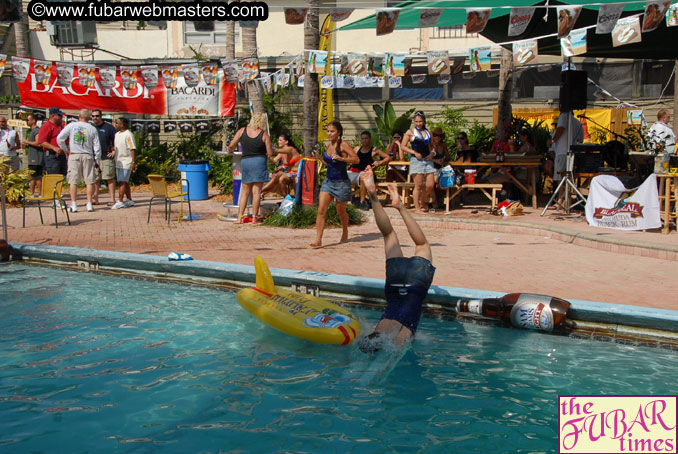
311,93
249,47
504,110
230,38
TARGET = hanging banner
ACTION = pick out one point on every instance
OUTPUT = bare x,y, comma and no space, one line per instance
395,64
43,71
654,13
607,17
142,100
574,43
418,78
386,20
202,126
250,68
169,125
348,82
210,74
191,74
149,74
87,75
457,65
611,205
137,125
295,16
357,64
300,81
567,16
548,116
129,77
186,126
3,63
519,19
438,62
481,58
395,82
20,68
429,17
325,100
327,82
317,61
65,73
230,69
170,75
444,79
476,19
153,126
340,14
107,76
525,52
376,66
672,15
626,31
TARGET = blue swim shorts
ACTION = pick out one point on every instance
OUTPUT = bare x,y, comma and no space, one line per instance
407,282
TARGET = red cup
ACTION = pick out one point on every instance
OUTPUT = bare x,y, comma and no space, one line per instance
471,177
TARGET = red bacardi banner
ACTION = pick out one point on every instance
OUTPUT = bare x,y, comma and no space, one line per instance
140,100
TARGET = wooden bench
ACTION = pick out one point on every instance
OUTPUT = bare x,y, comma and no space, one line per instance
483,187
404,189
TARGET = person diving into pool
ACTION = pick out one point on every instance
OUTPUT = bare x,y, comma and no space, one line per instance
407,278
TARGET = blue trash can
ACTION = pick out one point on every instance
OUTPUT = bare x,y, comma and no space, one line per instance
196,174
237,176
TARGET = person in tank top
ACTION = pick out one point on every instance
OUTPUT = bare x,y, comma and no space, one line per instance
417,142
256,152
366,153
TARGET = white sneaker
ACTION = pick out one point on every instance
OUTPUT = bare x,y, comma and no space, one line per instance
90,208
73,208
117,205
128,203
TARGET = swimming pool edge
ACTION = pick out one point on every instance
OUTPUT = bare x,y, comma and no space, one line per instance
440,297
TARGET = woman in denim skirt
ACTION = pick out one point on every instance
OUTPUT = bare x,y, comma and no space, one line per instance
417,142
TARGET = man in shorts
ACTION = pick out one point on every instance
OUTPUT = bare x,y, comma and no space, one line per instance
407,278
84,153
566,122
9,144
107,134
125,155
36,155
55,157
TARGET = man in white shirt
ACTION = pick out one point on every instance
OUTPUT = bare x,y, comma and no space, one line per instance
125,155
9,143
84,153
660,133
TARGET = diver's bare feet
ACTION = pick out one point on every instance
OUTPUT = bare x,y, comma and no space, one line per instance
367,179
395,197
344,239
316,245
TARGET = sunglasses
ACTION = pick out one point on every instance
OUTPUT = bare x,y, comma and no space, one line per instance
461,138
437,135
96,116
397,137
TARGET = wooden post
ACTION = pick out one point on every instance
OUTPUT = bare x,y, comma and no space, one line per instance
505,87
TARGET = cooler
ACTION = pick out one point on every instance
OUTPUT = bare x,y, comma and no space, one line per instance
196,174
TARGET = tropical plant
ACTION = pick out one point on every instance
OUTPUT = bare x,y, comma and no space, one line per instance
303,217
481,136
636,137
451,123
13,182
387,121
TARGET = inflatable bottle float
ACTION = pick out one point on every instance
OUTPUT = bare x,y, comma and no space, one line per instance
297,314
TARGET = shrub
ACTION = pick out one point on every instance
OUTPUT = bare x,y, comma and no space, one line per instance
13,182
303,217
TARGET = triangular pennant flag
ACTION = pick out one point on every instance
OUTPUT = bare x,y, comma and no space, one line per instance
444,79
457,65
186,126
42,70
210,73
438,62
567,16
327,82
480,58
295,16
65,74
574,43
20,68
230,69
626,31
608,16
672,15
191,74
395,82
169,125
429,17
317,61
340,14
128,75
106,76
87,75
519,19
525,52
149,74
654,13
476,19
3,62
386,20
418,78
395,64
137,125
170,75
153,126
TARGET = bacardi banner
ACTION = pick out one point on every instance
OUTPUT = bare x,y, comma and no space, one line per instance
611,205
201,100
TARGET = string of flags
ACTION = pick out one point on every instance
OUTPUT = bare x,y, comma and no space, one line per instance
154,126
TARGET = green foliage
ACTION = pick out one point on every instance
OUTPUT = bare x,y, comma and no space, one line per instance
451,123
13,182
197,53
481,136
10,99
387,121
636,137
303,217
541,134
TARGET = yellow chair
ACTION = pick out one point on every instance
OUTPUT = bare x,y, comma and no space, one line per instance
161,191
52,185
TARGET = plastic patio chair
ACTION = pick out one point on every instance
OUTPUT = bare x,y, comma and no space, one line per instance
52,185
161,191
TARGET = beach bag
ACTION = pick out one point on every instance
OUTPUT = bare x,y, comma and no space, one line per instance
286,206
446,178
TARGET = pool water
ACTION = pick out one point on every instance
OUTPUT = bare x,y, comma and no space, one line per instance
95,363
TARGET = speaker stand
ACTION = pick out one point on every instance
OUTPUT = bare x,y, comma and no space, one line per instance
568,182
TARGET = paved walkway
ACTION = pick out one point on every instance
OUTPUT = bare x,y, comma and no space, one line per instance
557,254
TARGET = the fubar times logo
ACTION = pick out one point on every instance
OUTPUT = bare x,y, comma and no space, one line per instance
617,424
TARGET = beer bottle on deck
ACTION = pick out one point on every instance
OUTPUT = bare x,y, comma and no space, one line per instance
522,310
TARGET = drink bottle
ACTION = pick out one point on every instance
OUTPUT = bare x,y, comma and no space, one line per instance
522,310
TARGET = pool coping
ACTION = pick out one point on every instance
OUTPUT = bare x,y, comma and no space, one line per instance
439,297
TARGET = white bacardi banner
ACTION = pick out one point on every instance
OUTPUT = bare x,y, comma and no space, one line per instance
199,100
612,206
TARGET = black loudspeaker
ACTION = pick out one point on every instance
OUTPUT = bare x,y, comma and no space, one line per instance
573,90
